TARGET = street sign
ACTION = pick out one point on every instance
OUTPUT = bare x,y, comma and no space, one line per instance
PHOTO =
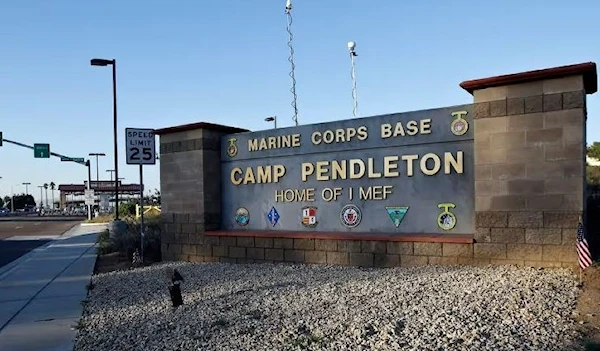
72,159
41,150
89,196
141,146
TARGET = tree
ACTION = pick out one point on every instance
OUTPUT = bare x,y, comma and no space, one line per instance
593,150
52,187
21,201
1,202
6,199
593,175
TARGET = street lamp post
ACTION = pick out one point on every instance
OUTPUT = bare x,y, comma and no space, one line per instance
27,188
97,171
272,119
113,63
41,197
111,173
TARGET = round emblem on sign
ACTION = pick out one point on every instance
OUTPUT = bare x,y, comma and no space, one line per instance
459,126
232,148
242,216
350,216
446,220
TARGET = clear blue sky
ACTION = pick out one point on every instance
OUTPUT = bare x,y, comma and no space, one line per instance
226,62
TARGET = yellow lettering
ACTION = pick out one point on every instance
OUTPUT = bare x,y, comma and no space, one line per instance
456,163
264,174
234,176
295,140
371,167
436,164
307,170
426,126
362,133
375,192
262,144
354,174
386,130
322,170
295,195
409,163
389,166
338,169
316,138
278,172
252,144
249,176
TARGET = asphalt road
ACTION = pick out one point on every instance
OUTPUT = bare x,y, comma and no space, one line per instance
28,230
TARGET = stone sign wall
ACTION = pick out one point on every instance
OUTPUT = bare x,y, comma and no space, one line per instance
400,173
515,177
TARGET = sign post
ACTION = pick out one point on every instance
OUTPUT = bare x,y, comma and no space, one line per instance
141,150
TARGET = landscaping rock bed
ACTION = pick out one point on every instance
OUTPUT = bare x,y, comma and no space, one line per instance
310,307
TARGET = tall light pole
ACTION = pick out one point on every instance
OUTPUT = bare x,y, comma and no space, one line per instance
272,119
27,188
352,50
111,173
97,171
41,197
113,63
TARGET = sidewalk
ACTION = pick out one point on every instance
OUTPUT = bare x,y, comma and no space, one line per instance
41,292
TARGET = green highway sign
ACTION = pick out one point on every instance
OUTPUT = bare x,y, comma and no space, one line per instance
41,150
72,159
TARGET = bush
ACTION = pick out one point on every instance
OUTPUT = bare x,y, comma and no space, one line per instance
127,242
127,209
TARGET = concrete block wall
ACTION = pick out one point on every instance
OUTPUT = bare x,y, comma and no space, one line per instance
530,170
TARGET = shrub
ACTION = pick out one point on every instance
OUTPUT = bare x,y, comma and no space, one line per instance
127,242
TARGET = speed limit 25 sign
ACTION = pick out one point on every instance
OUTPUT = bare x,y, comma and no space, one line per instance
141,146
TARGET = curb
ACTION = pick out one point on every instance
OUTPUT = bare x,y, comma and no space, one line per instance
92,224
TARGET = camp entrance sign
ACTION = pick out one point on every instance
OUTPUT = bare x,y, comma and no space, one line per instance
140,146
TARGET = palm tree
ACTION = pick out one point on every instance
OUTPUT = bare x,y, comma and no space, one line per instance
46,187
52,187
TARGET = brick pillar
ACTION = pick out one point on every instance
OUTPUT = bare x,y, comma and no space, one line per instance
190,180
530,137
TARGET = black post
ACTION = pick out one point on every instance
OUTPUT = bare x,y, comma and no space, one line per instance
114,76
89,167
142,211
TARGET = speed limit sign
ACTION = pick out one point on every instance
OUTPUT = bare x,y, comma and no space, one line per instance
141,146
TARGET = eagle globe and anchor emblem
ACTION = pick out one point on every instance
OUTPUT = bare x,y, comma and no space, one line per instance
446,220
350,216
232,148
460,125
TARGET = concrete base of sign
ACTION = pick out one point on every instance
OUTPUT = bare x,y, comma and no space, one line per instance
528,171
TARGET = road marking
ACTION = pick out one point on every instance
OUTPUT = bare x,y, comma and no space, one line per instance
19,227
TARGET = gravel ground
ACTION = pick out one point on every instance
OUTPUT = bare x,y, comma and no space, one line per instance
306,307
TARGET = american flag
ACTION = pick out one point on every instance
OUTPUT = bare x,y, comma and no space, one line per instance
583,249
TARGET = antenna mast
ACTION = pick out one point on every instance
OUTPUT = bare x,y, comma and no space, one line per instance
288,12
351,48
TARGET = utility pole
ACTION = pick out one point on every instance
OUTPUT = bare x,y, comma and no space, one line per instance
27,188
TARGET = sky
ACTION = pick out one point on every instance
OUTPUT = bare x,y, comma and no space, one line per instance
226,62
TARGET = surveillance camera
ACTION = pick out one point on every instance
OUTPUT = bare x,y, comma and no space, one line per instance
351,45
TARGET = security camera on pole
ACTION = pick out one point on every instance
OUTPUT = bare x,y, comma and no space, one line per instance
141,150
352,50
